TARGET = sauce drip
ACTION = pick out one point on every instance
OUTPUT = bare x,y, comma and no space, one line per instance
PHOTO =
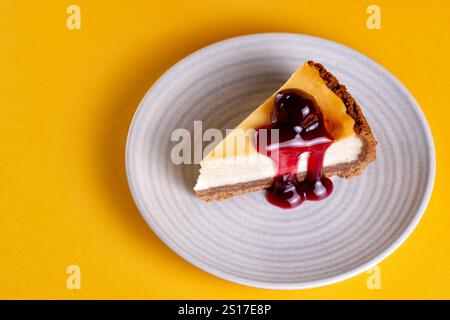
299,128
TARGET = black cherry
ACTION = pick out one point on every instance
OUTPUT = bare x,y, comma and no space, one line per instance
297,127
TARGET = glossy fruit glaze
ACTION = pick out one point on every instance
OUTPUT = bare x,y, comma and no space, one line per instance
297,127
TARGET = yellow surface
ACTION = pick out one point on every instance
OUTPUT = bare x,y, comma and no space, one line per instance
307,79
68,96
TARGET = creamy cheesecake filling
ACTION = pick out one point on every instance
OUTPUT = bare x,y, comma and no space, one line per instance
306,78
235,159
253,167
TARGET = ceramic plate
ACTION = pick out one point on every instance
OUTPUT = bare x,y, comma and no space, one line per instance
245,239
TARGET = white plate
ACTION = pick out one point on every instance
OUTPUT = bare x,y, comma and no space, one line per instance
245,239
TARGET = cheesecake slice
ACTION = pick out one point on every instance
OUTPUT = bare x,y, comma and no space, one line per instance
235,167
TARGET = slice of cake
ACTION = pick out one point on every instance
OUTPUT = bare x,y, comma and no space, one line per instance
322,119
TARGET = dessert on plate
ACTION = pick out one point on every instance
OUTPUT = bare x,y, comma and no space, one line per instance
308,130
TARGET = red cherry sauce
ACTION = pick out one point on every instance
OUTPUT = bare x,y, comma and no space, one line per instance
300,129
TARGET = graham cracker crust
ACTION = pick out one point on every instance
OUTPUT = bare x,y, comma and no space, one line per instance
344,170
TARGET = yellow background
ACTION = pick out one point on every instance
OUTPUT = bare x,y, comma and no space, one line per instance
67,98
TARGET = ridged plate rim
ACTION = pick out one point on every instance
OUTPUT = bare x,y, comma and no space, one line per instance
271,285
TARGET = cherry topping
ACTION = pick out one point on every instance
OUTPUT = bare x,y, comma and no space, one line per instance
297,127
